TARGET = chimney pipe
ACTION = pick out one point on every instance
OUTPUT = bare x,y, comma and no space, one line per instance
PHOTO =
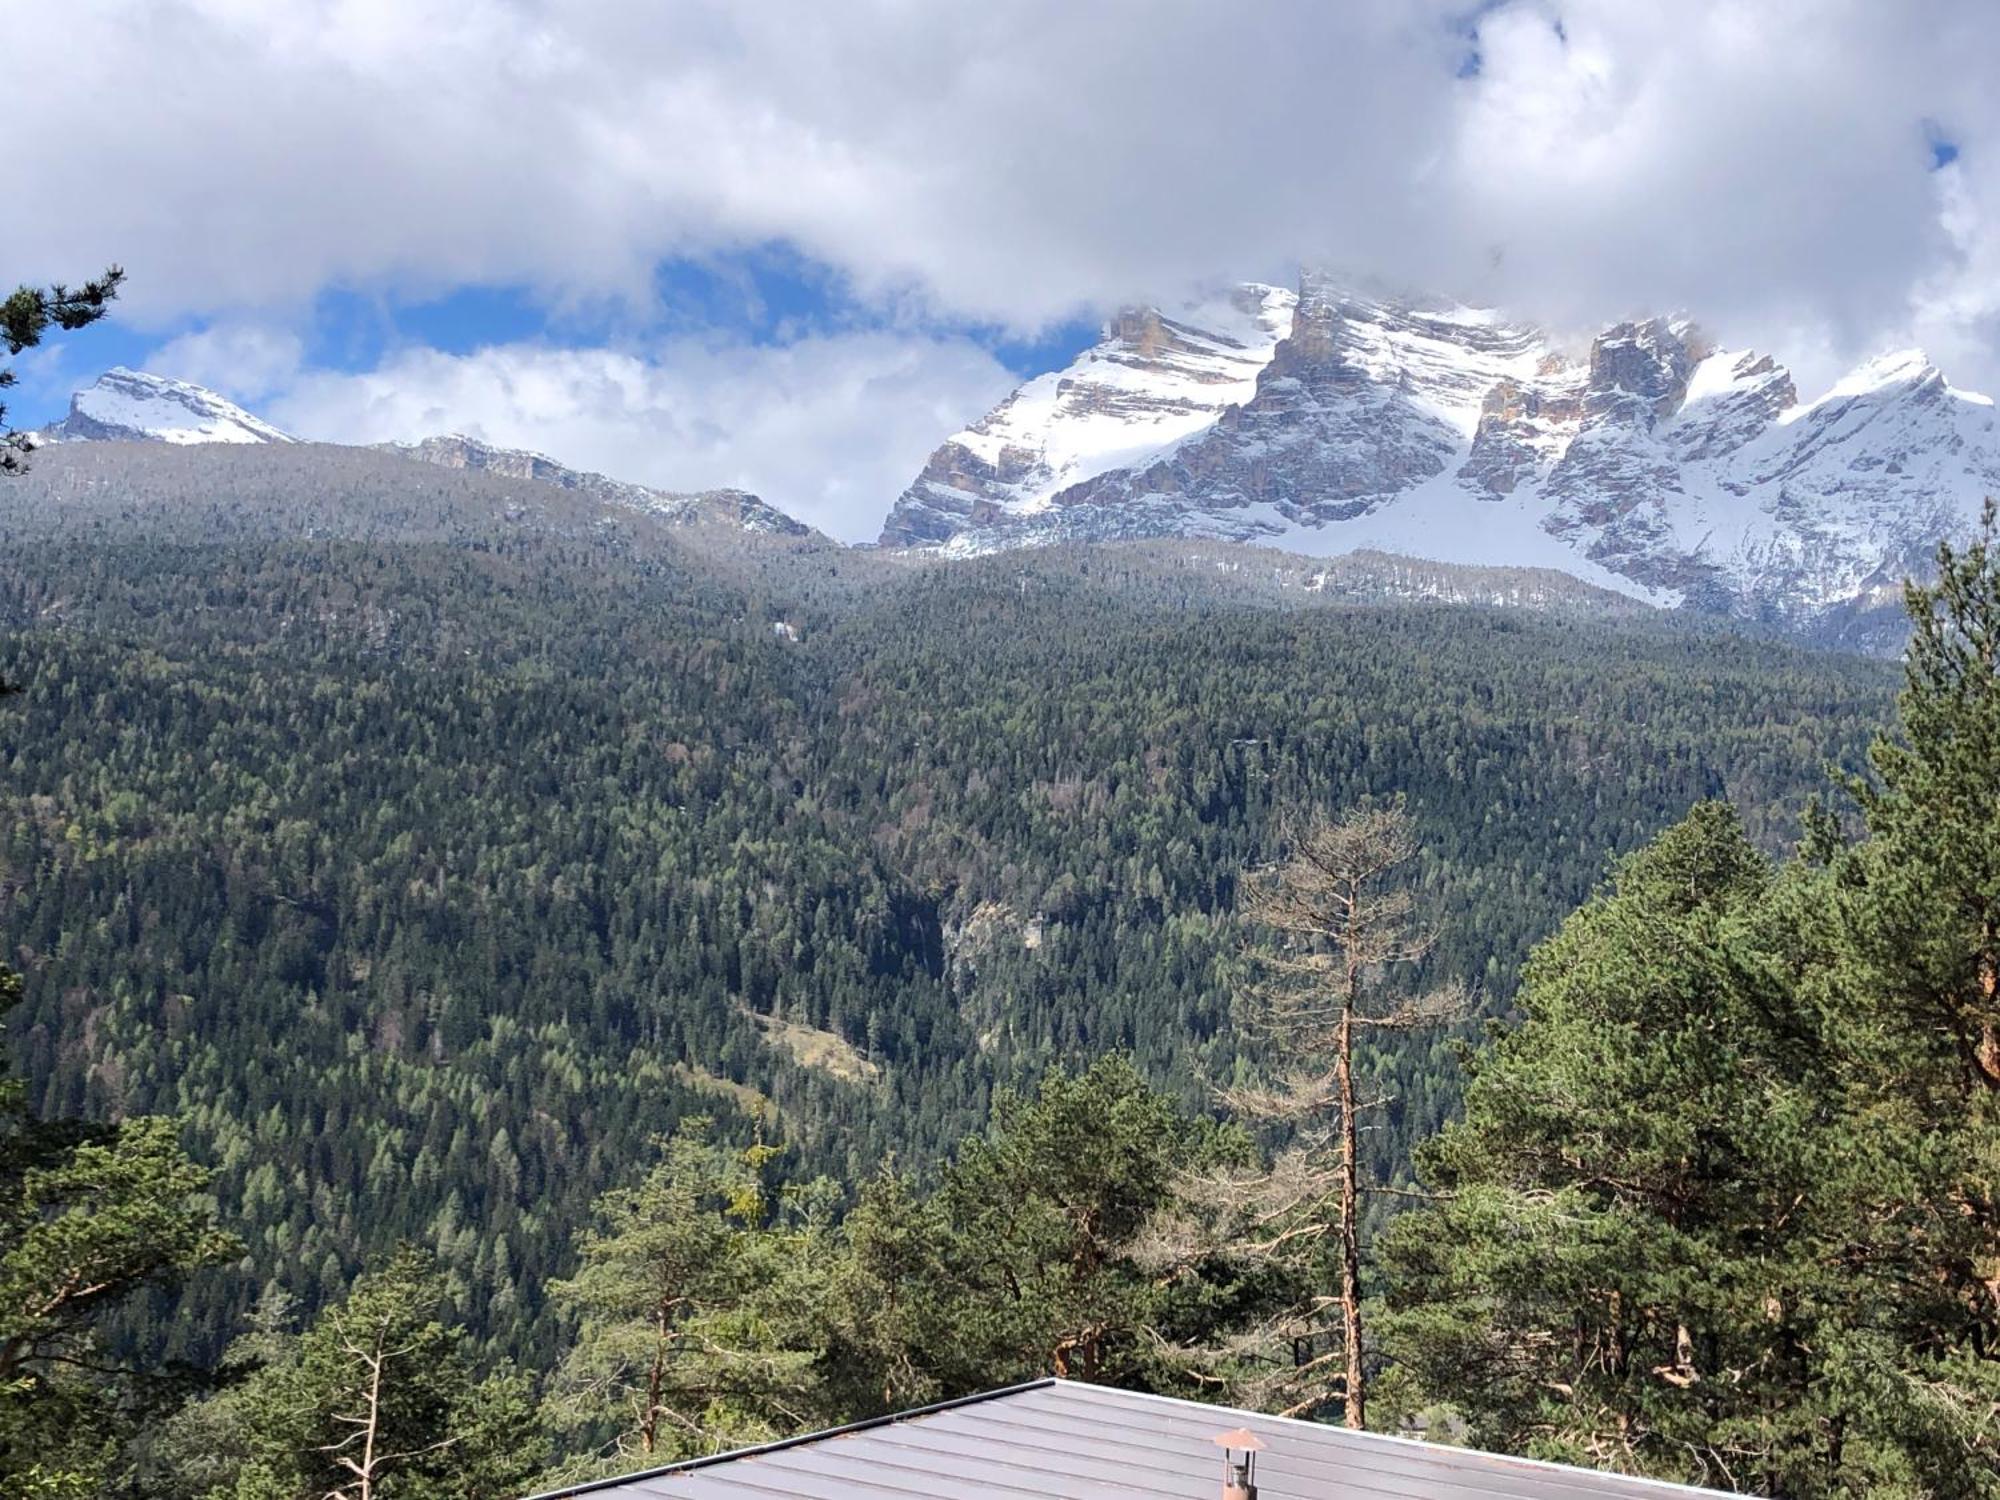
1239,1463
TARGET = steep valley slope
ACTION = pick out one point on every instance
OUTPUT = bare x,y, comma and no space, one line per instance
427,838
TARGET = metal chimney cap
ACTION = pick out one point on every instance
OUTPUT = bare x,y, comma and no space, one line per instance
1242,1438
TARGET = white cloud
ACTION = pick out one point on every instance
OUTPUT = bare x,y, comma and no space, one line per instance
245,361
1013,161
1756,165
1957,312
830,428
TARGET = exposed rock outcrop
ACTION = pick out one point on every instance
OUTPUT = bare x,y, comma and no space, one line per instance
1651,462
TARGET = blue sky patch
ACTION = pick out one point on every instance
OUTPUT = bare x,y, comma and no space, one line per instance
767,295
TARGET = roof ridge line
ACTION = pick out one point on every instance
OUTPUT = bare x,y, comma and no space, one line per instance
1672,1486
866,1424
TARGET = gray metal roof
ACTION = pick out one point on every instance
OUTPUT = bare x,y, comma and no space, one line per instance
1056,1438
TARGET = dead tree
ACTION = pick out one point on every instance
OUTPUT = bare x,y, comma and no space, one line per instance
1341,917
362,1452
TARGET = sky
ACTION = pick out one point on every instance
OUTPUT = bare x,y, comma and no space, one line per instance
790,246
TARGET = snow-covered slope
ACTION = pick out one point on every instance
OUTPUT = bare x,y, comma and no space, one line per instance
131,406
1154,380
1652,461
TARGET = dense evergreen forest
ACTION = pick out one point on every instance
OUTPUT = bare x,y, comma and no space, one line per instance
431,847
422,881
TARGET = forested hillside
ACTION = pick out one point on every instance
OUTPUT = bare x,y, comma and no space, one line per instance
423,842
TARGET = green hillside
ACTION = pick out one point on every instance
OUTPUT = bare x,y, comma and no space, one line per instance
425,842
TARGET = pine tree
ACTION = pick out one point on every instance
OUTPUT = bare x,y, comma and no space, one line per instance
1725,1206
1343,912
888,1303
378,1400
669,1358
1610,1278
1044,1214
1929,926
1914,1008
1057,1243
26,317
90,1218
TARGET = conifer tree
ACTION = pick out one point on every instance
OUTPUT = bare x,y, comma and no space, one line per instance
1929,926
1344,915
1914,1010
379,1400
889,1301
1044,1214
25,319
1608,1279
1725,1206
90,1218
1055,1244
671,1358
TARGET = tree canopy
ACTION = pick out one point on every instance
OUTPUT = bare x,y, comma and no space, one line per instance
1723,1205
26,317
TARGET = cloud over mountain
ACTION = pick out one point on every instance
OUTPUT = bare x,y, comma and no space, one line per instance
1016,162
824,427
1816,177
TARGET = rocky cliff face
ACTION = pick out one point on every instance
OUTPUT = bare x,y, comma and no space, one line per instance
1154,380
456,451
1650,461
1363,401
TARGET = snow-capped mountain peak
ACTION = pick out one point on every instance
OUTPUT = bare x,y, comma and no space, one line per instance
1899,367
1656,462
1156,377
132,406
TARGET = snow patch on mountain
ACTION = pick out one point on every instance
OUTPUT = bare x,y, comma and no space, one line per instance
1437,521
132,406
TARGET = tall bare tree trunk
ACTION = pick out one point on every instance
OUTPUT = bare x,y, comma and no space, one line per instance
1350,1208
374,1423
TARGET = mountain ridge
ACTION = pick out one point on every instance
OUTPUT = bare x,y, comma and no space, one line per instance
724,506
126,405
1326,421
1658,463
